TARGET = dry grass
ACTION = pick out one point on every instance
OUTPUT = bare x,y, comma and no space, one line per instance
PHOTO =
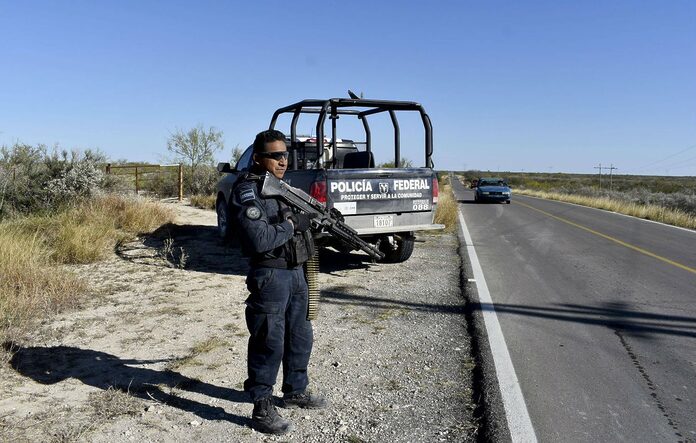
114,403
32,282
85,234
446,212
648,212
29,285
203,201
199,349
72,431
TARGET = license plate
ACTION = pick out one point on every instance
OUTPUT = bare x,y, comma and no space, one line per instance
421,205
384,221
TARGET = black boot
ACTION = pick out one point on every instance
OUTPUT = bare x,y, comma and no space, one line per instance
304,400
266,419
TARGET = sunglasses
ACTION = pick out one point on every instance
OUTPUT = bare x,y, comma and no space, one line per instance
274,155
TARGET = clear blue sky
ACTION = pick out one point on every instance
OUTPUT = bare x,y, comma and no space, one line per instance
529,85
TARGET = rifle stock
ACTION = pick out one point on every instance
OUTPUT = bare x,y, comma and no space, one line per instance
329,220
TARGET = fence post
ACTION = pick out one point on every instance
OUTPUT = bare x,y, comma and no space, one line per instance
181,182
136,180
108,168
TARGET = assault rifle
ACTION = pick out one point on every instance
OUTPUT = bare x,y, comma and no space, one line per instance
330,220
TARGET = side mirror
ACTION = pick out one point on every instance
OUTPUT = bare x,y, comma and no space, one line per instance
224,167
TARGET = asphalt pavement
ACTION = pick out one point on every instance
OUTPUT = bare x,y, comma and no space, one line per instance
598,311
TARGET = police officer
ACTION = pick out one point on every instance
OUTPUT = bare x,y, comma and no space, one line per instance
277,242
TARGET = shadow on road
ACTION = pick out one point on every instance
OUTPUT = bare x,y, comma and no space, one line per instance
615,315
198,248
50,365
342,296
331,261
191,247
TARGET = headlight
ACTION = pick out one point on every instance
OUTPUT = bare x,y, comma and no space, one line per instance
506,193
485,192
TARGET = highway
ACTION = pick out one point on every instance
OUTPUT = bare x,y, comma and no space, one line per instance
598,311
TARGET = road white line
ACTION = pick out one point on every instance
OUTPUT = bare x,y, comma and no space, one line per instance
519,423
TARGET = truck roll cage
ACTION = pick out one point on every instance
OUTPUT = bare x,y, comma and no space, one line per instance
334,107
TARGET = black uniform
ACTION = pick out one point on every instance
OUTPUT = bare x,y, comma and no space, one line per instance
276,311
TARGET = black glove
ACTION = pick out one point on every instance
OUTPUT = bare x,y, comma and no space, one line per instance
302,221
287,214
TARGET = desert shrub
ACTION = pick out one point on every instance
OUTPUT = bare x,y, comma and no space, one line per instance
202,180
23,174
77,179
203,201
34,180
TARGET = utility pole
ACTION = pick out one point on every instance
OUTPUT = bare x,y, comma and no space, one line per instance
611,169
600,175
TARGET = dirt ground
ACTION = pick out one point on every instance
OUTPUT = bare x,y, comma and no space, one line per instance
158,350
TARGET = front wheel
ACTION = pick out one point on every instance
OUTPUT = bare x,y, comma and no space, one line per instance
400,251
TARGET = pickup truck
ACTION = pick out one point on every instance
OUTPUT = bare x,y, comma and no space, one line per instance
384,205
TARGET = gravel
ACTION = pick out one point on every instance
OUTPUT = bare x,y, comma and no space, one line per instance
391,350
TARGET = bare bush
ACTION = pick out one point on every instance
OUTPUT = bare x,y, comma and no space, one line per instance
32,179
78,179
24,174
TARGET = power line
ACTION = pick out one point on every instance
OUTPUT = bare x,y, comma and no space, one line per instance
680,163
611,170
662,159
600,174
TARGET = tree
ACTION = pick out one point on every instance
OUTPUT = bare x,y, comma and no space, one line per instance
236,155
195,147
403,163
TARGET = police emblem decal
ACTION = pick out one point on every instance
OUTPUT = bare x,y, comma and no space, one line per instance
383,188
247,195
253,213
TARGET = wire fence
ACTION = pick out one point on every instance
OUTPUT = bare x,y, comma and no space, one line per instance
151,178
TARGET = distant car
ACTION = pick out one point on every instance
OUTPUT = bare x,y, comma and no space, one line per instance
492,189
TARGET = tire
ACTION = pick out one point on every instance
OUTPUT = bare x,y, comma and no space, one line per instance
476,199
507,201
223,221
403,251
